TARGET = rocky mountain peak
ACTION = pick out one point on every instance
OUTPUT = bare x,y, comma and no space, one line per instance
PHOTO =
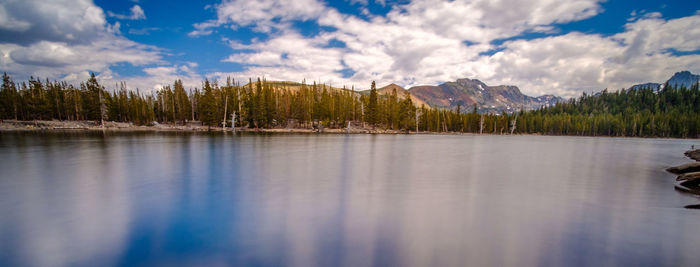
492,99
683,78
466,82
679,79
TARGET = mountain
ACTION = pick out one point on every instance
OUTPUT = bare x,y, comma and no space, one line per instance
679,79
400,91
491,99
683,78
653,86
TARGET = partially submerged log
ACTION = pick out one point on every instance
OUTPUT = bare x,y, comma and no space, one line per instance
685,168
690,186
688,176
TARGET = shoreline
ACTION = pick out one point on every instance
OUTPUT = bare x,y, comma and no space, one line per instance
688,180
43,125
195,127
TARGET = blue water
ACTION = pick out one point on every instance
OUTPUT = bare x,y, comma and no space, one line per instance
181,199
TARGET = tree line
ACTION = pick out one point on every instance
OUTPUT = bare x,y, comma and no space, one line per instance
670,112
257,104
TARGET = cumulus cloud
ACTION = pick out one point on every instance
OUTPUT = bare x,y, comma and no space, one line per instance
265,15
136,14
70,21
416,42
288,57
430,41
567,63
54,59
575,62
484,20
67,39
681,34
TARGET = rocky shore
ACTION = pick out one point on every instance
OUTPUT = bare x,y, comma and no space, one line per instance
43,125
688,179
693,154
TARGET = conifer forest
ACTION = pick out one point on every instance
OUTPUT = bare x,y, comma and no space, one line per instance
642,112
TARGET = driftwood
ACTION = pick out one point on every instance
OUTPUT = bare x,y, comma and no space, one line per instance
688,176
690,186
685,168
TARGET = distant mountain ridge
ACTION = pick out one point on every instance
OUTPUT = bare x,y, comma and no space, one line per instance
468,92
488,99
679,79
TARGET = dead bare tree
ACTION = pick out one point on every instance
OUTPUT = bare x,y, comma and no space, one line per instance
481,124
223,123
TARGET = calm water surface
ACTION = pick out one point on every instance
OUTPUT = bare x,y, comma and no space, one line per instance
71,199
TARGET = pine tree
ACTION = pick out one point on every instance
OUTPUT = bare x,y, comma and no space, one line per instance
92,102
207,106
9,98
372,106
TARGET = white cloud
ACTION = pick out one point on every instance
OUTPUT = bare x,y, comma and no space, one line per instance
483,20
70,21
420,42
265,15
67,39
576,62
54,59
423,42
553,63
682,34
136,14
203,28
288,57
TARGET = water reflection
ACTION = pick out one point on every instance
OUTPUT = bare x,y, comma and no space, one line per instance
341,200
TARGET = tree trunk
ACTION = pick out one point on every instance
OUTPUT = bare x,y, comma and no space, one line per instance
103,111
223,124
481,124
233,121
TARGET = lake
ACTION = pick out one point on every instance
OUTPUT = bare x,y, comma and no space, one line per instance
182,199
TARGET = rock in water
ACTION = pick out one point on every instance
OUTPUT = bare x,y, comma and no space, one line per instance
685,168
693,154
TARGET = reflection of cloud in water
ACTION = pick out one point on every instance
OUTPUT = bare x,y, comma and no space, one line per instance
391,202
71,212
347,200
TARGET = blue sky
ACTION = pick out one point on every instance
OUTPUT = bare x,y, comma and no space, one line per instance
542,46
